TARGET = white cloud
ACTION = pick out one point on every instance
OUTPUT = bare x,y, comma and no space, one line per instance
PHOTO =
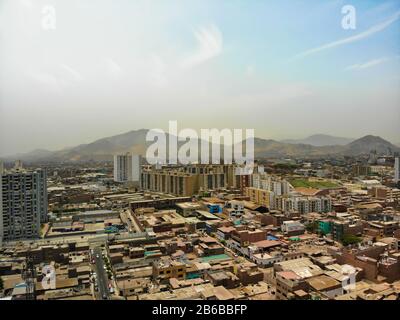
363,35
210,45
368,64
113,68
74,74
56,80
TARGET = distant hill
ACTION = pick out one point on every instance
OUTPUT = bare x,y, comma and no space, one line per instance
103,149
320,140
271,148
32,156
370,143
135,142
364,145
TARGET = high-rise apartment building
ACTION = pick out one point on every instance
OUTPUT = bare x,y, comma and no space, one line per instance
266,182
121,167
127,168
397,169
188,180
303,205
23,203
262,197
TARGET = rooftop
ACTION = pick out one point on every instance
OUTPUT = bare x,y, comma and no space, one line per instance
323,283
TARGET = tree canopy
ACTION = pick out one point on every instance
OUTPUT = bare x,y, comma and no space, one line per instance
350,239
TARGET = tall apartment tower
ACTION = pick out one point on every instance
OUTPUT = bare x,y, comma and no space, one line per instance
121,167
127,168
397,169
23,203
135,171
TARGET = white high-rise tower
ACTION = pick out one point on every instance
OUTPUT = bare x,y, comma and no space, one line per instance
127,168
397,169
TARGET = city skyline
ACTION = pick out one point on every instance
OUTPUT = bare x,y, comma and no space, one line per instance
286,69
208,157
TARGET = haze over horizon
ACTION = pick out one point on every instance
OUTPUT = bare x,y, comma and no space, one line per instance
284,68
319,140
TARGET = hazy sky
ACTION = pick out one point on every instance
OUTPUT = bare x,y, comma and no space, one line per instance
285,68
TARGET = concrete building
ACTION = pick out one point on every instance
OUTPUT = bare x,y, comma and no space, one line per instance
292,228
303,204
121,167
326,285
385,193
23,203
127,168
188,180
397,169
166,268
291,277
276,185
262,197
361,170
287,283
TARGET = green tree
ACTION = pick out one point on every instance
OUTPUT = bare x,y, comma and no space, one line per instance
350,239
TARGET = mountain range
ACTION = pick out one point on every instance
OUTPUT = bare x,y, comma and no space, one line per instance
321,140
135,142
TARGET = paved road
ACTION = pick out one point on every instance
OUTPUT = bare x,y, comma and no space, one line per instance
102,279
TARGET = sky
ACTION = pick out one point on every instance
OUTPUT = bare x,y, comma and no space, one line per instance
73,71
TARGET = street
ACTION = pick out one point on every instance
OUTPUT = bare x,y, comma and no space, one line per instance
102,279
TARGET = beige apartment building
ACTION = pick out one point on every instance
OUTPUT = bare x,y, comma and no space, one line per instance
166,268
261,197
188,180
